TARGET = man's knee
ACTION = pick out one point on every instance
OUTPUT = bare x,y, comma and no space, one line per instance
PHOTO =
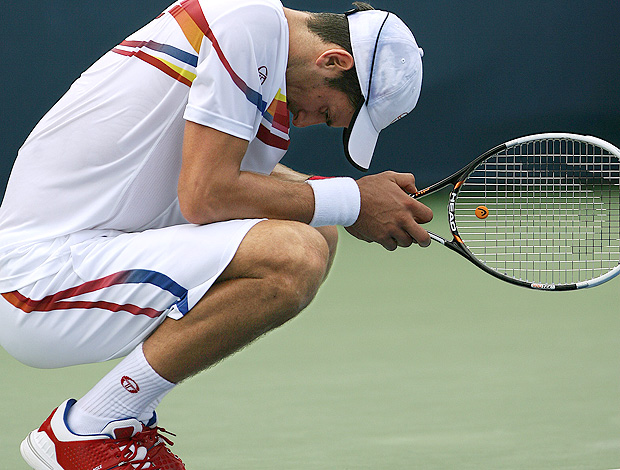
291,257
307,258
297,262
330,234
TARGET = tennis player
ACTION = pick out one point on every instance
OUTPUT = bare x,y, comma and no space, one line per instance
147,216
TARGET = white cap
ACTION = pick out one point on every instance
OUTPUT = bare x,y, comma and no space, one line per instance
388,62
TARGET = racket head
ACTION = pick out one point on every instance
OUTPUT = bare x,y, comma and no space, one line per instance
542,211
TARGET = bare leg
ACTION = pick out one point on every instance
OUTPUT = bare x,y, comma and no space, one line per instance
330,234
275,273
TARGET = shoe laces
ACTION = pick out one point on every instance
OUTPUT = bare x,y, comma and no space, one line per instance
137,452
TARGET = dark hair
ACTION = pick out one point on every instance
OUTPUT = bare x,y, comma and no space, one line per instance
334,28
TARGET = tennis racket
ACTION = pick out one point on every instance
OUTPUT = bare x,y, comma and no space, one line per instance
542,211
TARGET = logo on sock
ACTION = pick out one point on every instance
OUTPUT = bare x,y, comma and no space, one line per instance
130,384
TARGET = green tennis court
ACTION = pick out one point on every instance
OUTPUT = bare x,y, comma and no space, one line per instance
407,360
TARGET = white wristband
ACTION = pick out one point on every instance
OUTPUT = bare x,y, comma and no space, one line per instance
337,201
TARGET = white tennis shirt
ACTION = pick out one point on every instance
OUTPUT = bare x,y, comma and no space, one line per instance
107,156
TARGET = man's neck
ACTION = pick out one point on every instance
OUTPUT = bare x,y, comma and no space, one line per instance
300,37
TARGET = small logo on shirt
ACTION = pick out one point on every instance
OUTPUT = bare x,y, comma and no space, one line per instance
262,74
130,384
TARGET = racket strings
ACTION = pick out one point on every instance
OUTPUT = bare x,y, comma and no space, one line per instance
553,211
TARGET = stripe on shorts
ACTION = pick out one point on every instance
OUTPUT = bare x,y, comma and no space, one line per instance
61,300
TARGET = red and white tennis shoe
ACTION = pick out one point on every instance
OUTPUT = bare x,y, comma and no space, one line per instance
123,445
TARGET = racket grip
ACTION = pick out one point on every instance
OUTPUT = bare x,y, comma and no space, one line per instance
437,238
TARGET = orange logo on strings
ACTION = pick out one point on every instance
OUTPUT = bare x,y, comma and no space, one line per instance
482,212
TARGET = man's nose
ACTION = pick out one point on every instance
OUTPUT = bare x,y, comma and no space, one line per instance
304,119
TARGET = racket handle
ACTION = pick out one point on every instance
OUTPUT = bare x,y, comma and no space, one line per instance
437,238
418,194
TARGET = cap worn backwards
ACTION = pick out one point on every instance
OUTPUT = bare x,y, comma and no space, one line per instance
388,62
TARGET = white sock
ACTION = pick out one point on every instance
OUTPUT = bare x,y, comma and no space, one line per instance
131,390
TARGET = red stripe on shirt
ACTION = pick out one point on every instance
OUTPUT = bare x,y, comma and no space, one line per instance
265,136
155,63
192,7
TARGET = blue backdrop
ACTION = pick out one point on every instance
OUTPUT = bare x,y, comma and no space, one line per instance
493,70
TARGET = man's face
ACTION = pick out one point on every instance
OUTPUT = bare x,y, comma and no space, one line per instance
319,104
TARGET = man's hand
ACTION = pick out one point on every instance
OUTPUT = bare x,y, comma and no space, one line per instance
389,216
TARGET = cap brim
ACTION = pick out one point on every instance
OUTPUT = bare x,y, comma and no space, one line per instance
360,139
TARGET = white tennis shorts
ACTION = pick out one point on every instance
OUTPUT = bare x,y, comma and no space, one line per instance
113,291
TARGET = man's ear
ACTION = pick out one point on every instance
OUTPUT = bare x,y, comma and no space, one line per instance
337,60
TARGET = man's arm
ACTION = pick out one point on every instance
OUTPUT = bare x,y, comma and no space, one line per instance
285,173
212,188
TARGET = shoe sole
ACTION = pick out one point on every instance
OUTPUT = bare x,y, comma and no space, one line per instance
33,454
